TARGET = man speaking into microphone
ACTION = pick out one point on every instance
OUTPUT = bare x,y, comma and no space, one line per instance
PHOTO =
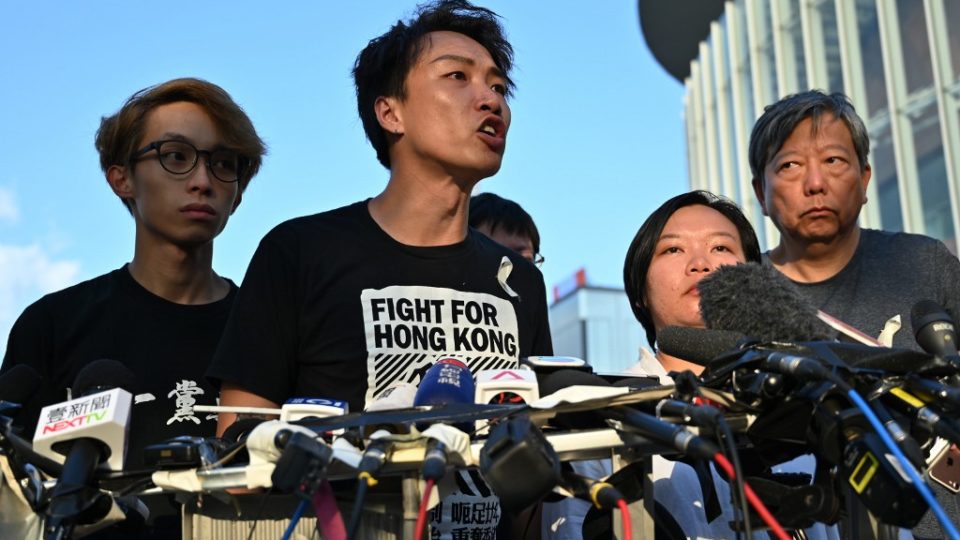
346,303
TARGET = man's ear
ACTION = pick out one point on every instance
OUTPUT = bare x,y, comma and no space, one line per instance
389,115
120,181
865,177
758,188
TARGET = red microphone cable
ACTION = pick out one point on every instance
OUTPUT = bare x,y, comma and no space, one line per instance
755,501
422,513
625,515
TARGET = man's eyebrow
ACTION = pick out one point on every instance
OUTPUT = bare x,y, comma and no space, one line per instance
174,136
455,58
496,71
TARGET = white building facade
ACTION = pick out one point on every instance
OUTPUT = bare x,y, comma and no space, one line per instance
897,60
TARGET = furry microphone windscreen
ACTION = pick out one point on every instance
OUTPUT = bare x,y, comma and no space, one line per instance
759,302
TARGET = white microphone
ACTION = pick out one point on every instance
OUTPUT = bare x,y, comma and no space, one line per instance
504,387
90,431
298,408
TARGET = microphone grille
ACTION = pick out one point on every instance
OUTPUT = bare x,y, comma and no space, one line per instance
760,302
103,373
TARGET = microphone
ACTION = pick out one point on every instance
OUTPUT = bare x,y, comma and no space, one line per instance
396,396
91,431
698,345
449,381
545,365
934,329
921,415
760,302
519,463
649,426
507,386
504,387
298,408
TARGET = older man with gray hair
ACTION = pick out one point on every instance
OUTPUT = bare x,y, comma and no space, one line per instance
808,155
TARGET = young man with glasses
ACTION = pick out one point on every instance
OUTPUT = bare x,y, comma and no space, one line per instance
345,303
178,155
507,224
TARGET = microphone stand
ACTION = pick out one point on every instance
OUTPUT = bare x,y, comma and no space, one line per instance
411,502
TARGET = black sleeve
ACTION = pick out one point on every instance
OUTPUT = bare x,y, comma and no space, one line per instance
31,343
259,347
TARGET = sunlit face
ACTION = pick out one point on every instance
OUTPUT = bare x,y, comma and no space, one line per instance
186,210
454,116
813,187
695,241
517,242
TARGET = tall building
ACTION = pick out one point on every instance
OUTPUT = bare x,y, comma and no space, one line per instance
897,60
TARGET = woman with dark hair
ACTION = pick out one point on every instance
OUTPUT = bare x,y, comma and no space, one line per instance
679,244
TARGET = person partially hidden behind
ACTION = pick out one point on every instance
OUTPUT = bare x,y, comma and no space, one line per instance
178,155
346,303
507,224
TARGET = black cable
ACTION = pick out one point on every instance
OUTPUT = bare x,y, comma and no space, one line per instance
526,528
141,484
259,513
739,493
357,509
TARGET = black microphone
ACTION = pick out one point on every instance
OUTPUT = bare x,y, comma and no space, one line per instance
698,345
760,302
647,425
921,415
934,329
76,498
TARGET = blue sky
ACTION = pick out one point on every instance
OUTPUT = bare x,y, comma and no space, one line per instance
596,141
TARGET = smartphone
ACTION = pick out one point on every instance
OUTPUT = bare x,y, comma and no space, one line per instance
945,468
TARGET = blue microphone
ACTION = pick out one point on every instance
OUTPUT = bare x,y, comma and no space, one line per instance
447,381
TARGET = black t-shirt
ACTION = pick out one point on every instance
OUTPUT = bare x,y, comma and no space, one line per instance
167,346
888,273
333,307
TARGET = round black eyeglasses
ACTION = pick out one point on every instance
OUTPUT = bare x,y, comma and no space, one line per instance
181,157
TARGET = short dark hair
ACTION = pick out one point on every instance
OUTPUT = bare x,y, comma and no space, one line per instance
780,119
382,66
119,135
641,250
499,213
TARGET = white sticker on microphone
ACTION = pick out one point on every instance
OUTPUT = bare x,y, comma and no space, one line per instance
409,328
